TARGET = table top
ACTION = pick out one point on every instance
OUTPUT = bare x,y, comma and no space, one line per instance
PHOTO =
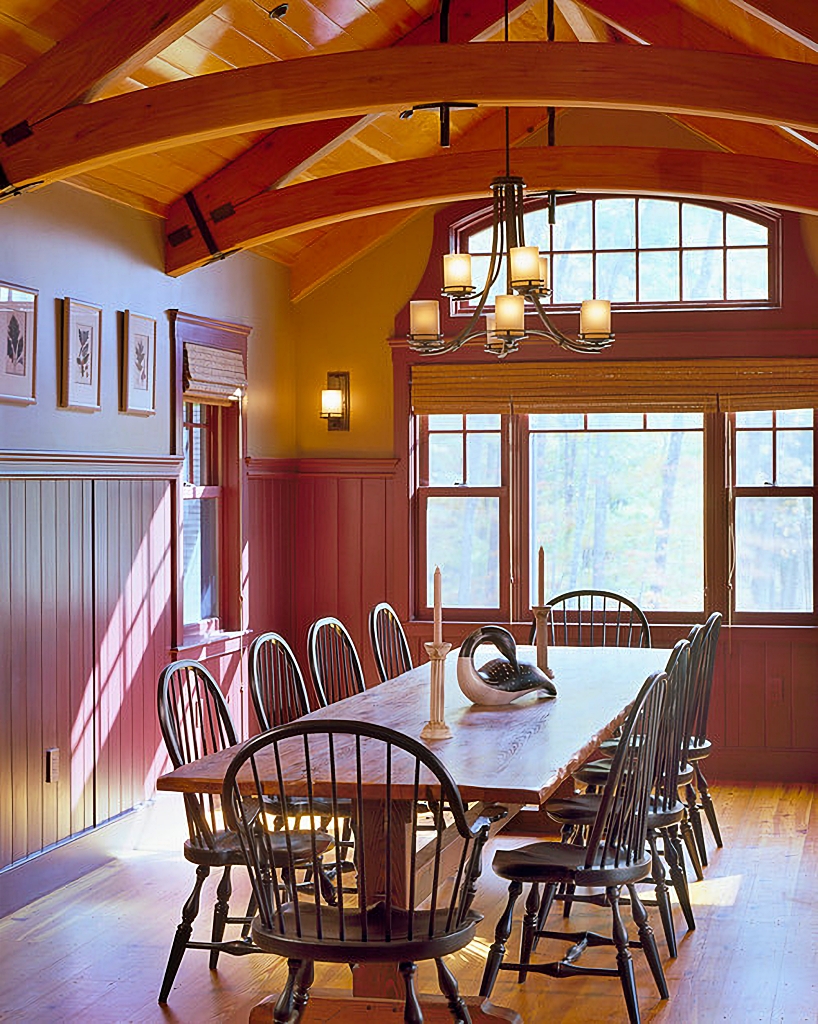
517,753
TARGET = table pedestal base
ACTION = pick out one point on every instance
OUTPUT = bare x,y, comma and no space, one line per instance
344,1008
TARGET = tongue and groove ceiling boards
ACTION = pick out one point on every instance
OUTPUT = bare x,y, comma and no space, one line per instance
284,135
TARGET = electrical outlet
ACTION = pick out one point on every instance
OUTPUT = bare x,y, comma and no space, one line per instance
52,764
775,690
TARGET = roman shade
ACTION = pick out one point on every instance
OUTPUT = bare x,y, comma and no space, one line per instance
213,375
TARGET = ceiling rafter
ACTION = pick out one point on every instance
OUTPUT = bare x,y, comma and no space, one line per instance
287,152
792,18
491,74
447,178
117,40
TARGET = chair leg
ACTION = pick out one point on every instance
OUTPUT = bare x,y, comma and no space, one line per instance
677,875
183,932
411,1009
532,906
448,986
691,847
662,895
707,804
220,912
648,940
624,961
545,908
696,822
285,1004
301,993
498,947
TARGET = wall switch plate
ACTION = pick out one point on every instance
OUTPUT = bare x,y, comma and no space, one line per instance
52,764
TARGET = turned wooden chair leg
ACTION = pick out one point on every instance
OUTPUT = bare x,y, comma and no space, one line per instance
707,804
648,940
624,960
448,986
677,875
411,1013
691,846
183,932
220,913
498,948
662,894
545,908
696,822
527,935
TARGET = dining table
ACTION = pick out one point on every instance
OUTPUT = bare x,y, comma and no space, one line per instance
516,755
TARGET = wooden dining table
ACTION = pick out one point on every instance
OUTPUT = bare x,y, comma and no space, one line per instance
515,754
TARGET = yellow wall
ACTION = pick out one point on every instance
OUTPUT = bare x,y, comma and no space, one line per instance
345,325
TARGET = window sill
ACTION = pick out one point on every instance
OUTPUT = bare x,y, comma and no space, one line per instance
201,646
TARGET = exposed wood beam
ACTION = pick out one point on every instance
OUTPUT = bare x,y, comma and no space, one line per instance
664,23
793,18
79,139
113,43
448,178
287,152
579,23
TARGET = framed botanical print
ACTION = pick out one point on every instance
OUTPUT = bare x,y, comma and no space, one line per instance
18,335
81,348
138,363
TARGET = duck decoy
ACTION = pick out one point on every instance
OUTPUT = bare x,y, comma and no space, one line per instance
503,679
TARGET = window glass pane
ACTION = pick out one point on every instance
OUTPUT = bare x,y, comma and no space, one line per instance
621,512
793,467
483,460
479,272
773,554
702,275
615,420
674,420
200,541
794,417
463,538
747,274
701,225
573,227
615,224
659,277
556,421
572,277
537,228
445,460
199,461
616,276
445,421
480,241
483,421
754,458
741,231
754,419
658,223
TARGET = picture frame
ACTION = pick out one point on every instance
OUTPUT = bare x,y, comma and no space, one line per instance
81,350
18,335
138,381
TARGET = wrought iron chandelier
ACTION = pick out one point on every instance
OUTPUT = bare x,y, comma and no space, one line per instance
527,279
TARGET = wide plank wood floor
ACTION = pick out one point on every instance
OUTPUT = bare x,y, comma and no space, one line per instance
94,951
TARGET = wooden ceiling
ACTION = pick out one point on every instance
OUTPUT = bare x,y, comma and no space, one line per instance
284,134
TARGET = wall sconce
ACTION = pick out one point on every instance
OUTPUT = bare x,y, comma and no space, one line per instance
335,401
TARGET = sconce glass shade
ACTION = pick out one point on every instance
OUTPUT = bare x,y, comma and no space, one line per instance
424,318
332,402
457,275
509,313
595,318
335,400
525,266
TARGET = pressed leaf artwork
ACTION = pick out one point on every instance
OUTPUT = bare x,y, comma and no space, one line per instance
140,362
83,359
15,347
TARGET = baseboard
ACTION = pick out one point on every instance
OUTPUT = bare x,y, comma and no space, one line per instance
27,880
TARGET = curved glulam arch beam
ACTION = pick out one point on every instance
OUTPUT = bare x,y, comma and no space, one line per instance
449,177
80,139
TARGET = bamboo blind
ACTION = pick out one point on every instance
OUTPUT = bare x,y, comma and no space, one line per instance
213,375
669,386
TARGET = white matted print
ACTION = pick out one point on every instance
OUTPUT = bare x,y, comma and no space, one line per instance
82,330
139,363
18,337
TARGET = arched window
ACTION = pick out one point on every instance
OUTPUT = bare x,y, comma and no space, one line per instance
655,252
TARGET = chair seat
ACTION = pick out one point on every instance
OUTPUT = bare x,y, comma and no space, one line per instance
408,935
582,809
226,848
593,773
565,862
697,751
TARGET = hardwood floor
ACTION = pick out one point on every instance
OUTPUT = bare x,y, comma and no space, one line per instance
94,951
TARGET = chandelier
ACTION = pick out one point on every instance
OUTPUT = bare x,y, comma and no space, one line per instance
527,273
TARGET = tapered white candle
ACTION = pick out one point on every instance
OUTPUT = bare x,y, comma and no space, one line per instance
438,626
541,578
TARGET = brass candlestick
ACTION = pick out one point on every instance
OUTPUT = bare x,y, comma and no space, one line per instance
542,614
436,728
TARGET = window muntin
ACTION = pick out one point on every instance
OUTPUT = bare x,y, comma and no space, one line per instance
773,496
617,504
201,515
635,250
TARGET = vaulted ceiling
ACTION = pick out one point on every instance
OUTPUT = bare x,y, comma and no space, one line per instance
284,134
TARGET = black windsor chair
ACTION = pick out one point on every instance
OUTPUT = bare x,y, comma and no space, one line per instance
335,761
389,644
334,663
595,618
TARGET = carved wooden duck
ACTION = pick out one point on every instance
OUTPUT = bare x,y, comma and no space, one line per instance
500,680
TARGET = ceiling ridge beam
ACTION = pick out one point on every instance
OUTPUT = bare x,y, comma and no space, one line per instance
604,76
447,178
121,37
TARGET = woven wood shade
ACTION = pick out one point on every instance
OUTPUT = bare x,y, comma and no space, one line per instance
672,386
213,375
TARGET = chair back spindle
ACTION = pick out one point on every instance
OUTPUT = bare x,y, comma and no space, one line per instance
277,685
389,644
334,663
595,618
